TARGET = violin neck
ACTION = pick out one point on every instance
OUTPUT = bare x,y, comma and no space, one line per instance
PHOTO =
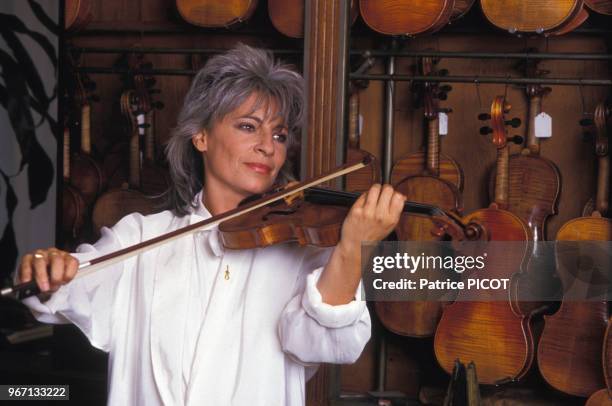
341,198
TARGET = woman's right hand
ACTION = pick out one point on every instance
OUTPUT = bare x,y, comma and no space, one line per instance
51,268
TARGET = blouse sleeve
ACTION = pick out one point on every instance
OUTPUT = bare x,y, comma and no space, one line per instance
312,331
88,301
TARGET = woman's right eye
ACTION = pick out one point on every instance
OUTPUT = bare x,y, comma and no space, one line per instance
246,126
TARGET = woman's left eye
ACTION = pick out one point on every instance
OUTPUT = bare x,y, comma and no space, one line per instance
280,137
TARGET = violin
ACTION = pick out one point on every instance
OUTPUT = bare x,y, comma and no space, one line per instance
569,352
426,184
495,335
267,221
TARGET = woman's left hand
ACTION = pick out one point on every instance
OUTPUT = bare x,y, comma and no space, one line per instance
373,216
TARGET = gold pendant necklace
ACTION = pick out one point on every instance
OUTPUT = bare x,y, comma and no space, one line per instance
227,273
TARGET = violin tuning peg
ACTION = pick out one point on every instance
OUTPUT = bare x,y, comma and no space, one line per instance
443,72
484,116
149,82
586,122
442,96
515,122
485,130
446,110
446,88
517,139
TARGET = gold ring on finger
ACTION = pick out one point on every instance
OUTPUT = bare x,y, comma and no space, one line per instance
38,255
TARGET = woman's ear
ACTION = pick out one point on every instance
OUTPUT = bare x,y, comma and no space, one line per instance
199,141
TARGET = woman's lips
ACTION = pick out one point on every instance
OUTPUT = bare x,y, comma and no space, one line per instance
259,168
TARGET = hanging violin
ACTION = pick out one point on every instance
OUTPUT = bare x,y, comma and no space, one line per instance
494,335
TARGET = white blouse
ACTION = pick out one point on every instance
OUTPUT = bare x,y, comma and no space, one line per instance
181,330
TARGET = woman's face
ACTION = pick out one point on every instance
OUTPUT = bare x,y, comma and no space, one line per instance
244,151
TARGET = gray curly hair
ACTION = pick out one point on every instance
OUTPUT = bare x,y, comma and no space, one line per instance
221,86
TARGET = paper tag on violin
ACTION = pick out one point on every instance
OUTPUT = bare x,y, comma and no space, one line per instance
360,129
443,120
140,118
543,125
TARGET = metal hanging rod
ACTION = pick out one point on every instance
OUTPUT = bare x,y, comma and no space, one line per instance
496,55
487,79
156,50
381,53
395,77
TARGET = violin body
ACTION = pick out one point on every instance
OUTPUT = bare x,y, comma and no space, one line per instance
413,164
419,318
569,353
77,14
603,397
113,205
529,16
287,16
600,6
534,186
87,176
461,8
74,210
214,14
269,226
397,17
492,334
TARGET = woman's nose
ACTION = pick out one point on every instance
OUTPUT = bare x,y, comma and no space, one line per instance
266,143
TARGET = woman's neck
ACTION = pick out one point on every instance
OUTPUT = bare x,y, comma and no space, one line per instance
217,202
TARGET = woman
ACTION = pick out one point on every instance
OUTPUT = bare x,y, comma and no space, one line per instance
191,323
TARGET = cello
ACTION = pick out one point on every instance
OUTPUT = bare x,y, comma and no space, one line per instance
494,335
569,352
419,318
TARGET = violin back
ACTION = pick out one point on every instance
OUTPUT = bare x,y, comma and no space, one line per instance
287,16
569,352
419,318
492,334
216,13
600,6
397,17
540,16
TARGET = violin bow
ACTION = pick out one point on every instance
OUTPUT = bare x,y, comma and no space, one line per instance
30,288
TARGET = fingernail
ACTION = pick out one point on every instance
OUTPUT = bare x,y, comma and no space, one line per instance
45,286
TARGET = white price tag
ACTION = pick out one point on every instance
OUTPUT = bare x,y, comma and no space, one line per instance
443,120
360,125
543,126
140,119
